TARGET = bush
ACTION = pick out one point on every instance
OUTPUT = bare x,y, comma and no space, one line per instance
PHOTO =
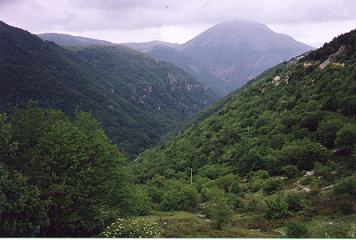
271,185
277,207
190,197
179,196
139,201
290,171
255,202
303,154
326,171
346,194
295,201
132,228
296,229
171,200
347,185
220,212
212,193
346,138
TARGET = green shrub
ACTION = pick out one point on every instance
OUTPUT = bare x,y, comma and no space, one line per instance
290,171
295,201
261,174
347,185
271,185
235,188
296,229
190,197
255,202
179,196
219,212
139,201
132,228
326,171
277,207
212,193
303,154
171,200
346,138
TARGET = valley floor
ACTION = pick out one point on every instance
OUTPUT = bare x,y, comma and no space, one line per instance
247,225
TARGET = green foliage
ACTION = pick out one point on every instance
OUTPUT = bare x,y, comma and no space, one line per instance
326,171
297,229
137,98
132,228
22,213
347,186
346,138
349,105
219,212
66,170
303,154
277,207
295,201
179,196
212,193
290,171
139,201
327,130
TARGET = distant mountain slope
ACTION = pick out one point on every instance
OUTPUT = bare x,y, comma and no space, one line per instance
148,46
137,98
229,54
297,113
69,40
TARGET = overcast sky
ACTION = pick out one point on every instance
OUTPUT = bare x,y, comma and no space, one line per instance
311,21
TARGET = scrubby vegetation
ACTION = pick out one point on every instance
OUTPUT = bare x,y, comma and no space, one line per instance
281,149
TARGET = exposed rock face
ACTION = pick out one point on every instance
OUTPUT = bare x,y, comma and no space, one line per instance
333,58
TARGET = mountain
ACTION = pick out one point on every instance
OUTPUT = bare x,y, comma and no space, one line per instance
278,154
69,40
137,98
293,101
148,46
229,54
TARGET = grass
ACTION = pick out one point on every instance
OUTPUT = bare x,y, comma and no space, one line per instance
333,226
320,215
185,224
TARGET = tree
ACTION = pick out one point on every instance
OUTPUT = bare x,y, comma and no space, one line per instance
349,105
290,171
22,213
220,212
71,168
303,154
346,138
327,130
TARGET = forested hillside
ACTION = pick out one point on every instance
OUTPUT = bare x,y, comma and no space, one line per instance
281,150
138,99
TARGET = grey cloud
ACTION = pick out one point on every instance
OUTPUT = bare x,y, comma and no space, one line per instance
95,16
135,14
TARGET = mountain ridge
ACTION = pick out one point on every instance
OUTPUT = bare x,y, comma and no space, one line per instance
136,106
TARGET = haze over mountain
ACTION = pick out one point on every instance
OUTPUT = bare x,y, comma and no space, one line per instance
228,54
224,57
137,98
69,40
